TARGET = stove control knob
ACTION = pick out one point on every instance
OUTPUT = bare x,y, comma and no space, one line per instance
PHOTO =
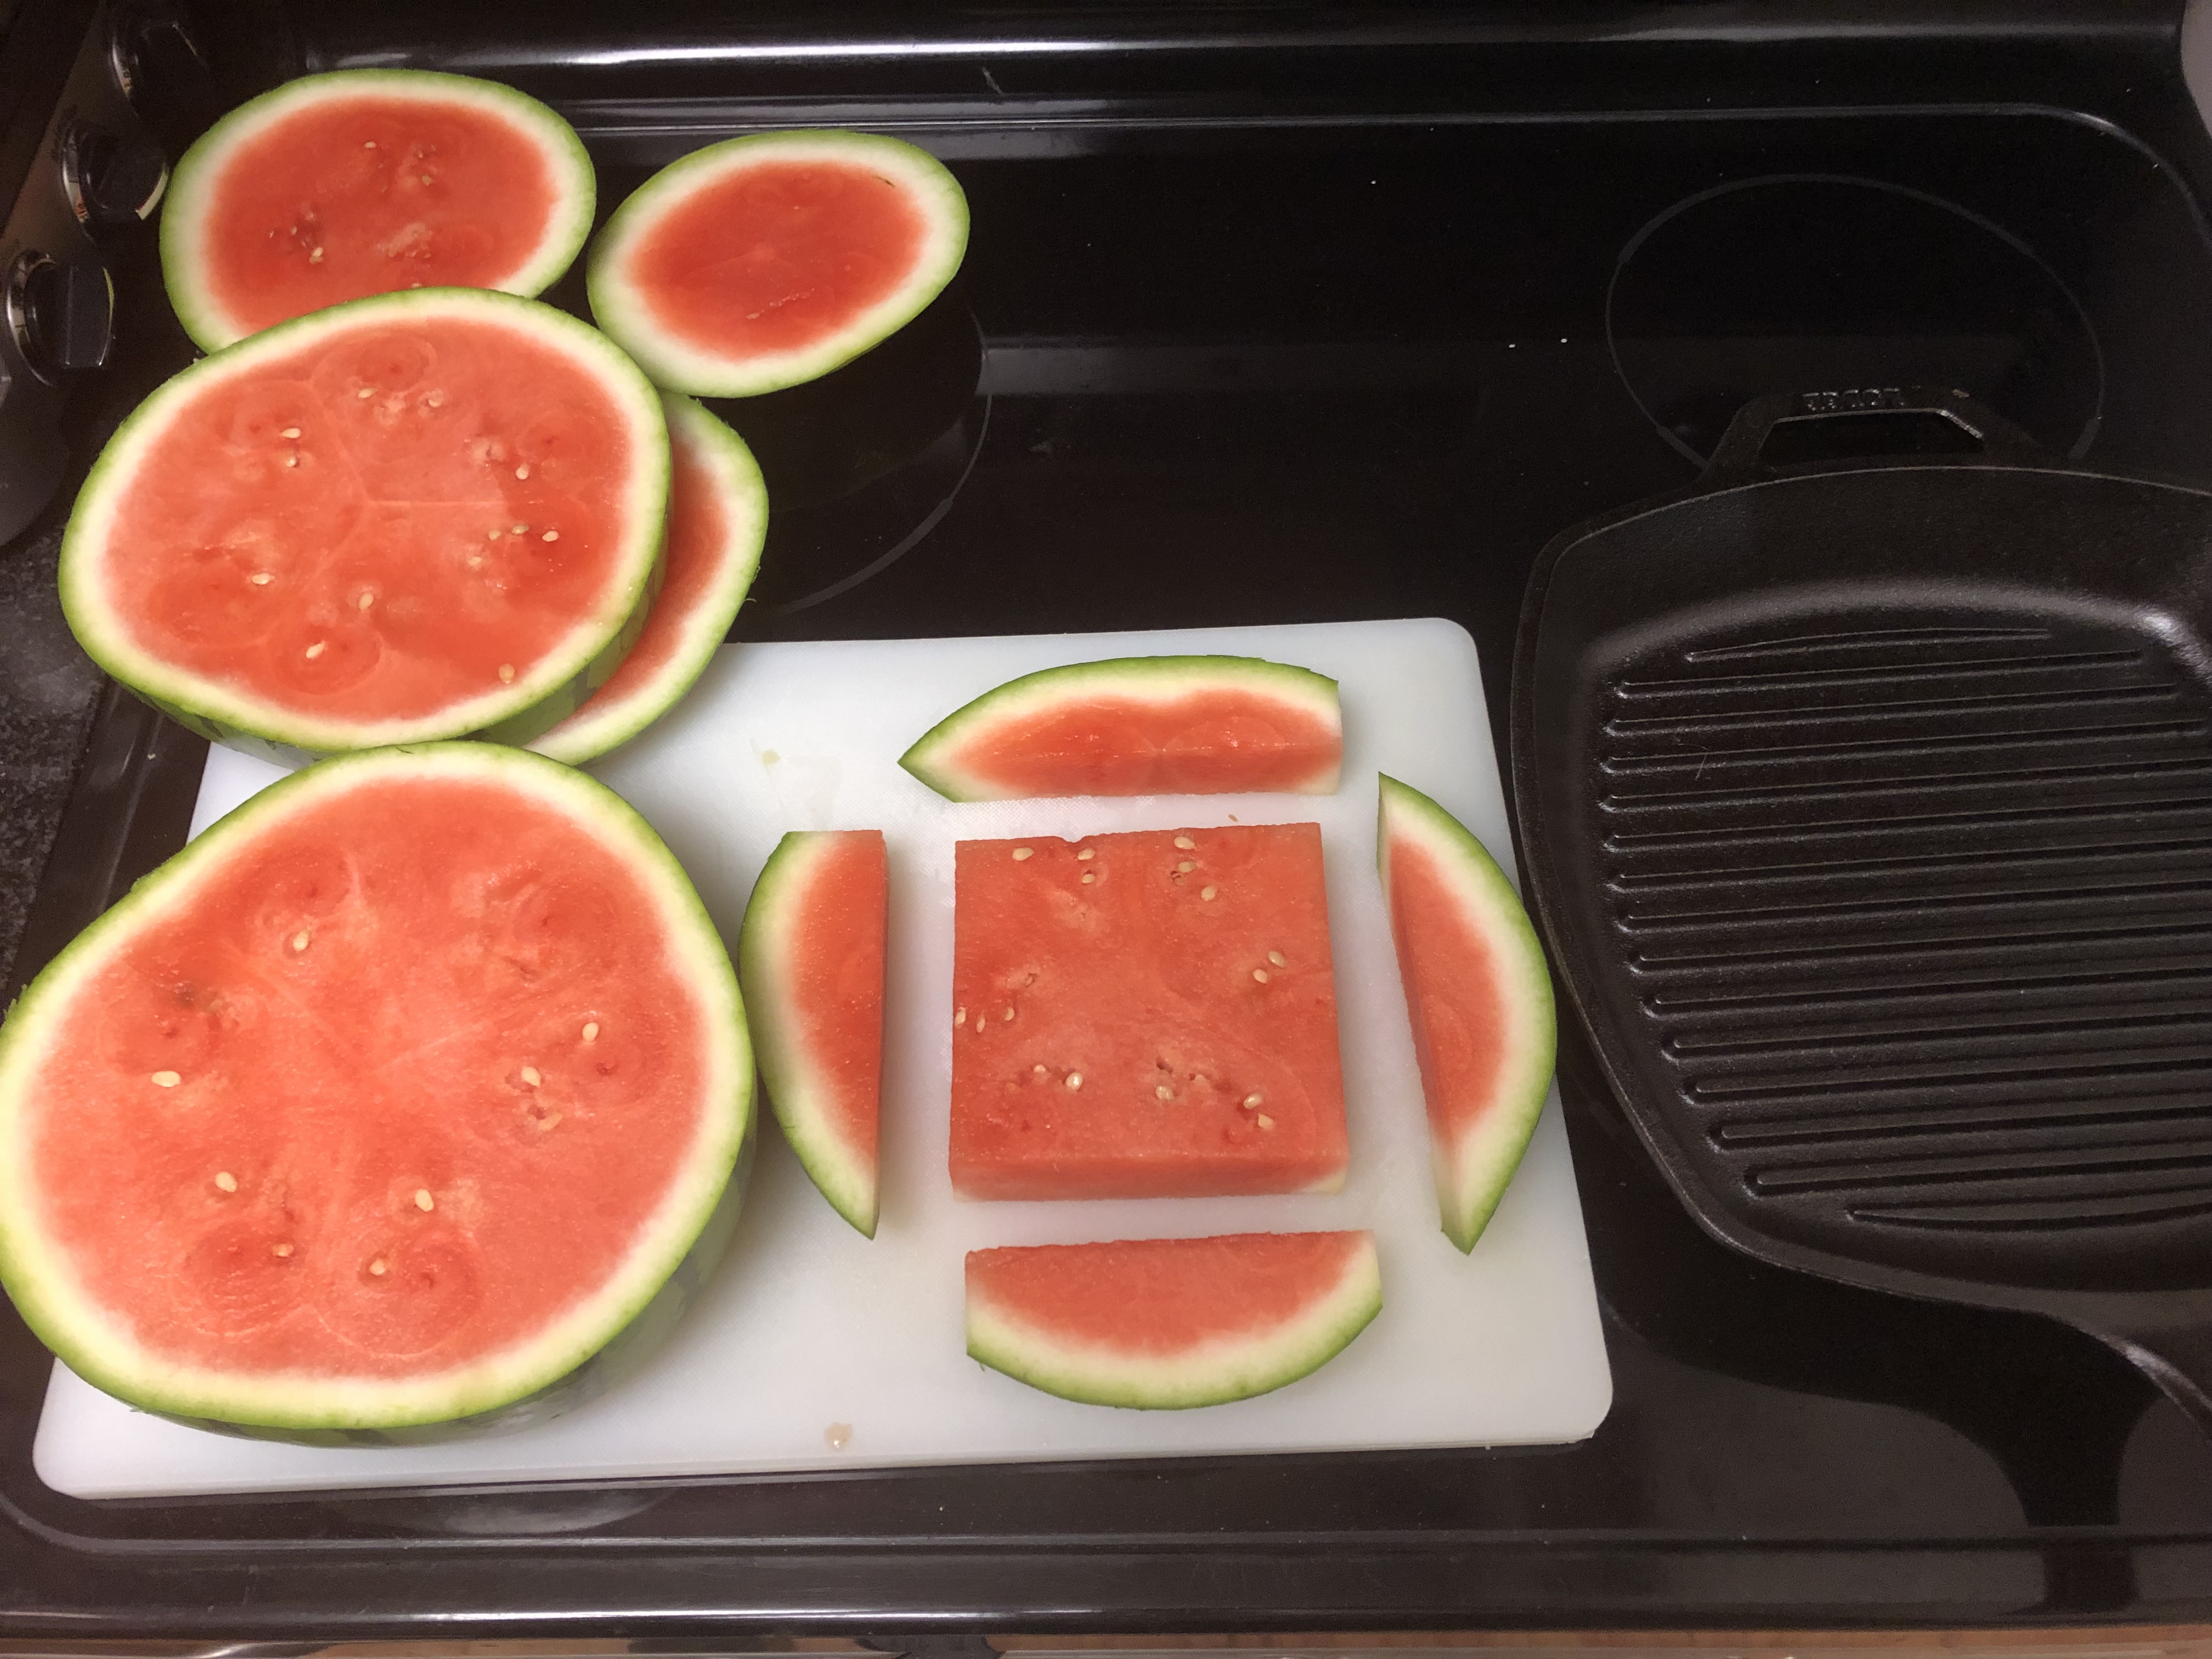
62,316
161,69
113,180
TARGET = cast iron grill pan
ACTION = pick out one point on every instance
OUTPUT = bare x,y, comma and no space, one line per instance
1868,807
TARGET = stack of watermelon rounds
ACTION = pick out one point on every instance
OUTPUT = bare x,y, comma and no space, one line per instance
1151,1014
415,1097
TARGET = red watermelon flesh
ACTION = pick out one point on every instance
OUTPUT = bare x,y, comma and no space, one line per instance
381,523
369,195
1145,1015
811,958
776,256
1479,997
249,1082
1165,1322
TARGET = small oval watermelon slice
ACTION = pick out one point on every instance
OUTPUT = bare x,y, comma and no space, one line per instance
412,517
1140,725
336,186
717,519
763,262
389,1103
811,957
1163,1323
1480,998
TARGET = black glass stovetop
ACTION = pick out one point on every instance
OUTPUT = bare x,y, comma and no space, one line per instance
1324,329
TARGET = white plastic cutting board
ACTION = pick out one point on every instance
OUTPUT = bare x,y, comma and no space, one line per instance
816,1349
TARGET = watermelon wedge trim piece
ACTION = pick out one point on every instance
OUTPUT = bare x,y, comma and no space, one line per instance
622,302
1472,966
692,614
1036,726
1034,1312
818,1024
201,173
596,1339
545,693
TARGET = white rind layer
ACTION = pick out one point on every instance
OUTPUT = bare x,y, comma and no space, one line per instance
1473,1172
95,1342
209,702
200,174
937,759
606,722
684,364
1210,1376
794,1088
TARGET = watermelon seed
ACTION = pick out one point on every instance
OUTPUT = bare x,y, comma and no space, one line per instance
280,1250
1164,1092
551,536
1038,1070
507,673
369,145
1279,958
1260,974
423,1201
1021,853
838,1436
315,256
1088,879
227,1181
592,1031
978,1019
426,179
1185,867
960,1017
377,1267
529,1076
1185,842
435,400
1009,1014
299,939
522,530
289,432
491,535
1087,855
366,600
1075,1080
1265,1122
261,579
1208,892
522,471
1251,1100
291,460
366,391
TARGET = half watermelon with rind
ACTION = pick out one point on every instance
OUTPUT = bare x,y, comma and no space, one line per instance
1140,725
767,261
411,1099
717,521
811,959
413,517
335,186
1172,1323
1480,998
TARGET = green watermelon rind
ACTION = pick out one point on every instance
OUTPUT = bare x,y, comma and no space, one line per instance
934,756
681,366
593,1347
184,208
555,688
1473,1176
1221,1372
599,727
851,1188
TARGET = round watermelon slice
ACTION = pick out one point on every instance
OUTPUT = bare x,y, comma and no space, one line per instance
717,519
366,181
811,958
1479,997
763,262
1140,725
1163,1323
413,517
405,1100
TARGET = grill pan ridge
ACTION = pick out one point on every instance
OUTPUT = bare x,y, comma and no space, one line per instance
1867,806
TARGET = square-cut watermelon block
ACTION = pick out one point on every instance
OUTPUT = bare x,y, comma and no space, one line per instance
1149,1015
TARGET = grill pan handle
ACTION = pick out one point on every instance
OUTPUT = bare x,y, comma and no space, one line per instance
2177,1357
1888,423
